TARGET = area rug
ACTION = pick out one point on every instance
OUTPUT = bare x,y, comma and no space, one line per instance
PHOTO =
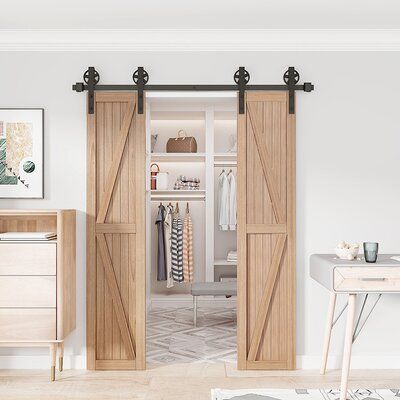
304,394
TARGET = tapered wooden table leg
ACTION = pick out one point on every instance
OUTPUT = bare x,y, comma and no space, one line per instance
348,341
60,356
328,332
53,356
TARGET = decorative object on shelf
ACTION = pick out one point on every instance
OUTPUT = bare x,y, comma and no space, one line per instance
371,251
21,153
182,143
187,183
162,180
233,143
154,138
153,176
232,256
346,251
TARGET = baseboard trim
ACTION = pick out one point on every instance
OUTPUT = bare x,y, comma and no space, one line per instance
40,362
357,362
303,362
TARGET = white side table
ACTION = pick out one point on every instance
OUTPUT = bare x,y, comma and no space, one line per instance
352,278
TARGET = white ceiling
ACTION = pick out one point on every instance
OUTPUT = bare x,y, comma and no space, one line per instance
200,14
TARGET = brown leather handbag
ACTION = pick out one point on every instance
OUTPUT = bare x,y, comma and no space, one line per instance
182,143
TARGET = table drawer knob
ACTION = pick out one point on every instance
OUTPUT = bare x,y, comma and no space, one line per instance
373,279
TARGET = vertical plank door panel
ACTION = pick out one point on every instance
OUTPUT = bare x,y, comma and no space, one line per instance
266,233
116,234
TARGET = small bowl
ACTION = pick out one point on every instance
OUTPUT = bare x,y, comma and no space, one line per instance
347,254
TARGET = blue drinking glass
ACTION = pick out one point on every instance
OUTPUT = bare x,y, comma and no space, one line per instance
370,251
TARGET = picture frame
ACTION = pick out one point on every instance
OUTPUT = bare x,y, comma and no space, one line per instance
21,153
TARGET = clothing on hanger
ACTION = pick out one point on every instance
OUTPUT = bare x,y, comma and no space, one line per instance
223,201
161,255
177,246
168,238
187,247
232,201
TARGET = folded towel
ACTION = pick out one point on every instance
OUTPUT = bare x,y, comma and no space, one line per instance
184,178
184,183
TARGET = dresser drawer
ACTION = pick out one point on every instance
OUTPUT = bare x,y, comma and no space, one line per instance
368,279
28,258
27,324
28,291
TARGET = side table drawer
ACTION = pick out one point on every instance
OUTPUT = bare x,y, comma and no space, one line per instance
368,279
28,291
28,258
27,324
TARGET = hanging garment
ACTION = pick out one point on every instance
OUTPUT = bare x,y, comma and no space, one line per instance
168,244
232,201
177,247
187,247
223,202
161,256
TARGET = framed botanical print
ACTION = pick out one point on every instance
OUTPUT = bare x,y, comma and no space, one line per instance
21,153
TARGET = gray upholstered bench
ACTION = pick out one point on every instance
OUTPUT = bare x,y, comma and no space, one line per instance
211,289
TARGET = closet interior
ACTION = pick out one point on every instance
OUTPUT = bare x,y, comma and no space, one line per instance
200,184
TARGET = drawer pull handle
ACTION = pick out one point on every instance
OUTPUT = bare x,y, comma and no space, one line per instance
373,279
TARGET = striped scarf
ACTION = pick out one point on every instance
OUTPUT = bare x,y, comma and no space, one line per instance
177,249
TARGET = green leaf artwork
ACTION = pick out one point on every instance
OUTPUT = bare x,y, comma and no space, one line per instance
14,147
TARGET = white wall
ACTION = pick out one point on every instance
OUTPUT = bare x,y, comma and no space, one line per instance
348,148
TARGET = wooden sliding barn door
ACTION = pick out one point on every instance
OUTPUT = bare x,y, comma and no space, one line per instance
116,233
266,233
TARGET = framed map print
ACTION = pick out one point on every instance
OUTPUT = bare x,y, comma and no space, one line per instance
21,153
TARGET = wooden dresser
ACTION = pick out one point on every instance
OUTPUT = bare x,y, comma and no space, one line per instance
37,281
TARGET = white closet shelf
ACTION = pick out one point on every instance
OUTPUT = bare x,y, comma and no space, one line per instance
178,194
224,157
178,157
224,262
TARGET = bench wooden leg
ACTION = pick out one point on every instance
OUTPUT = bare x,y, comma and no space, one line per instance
195,311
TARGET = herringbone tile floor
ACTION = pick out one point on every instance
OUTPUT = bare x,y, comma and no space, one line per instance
172,337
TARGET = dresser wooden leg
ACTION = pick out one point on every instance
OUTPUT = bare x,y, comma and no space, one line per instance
60,356
348,341
328,332
53,356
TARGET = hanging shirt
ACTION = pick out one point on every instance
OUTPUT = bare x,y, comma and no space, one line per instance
223,202
167,238
187,248
177,248
232,201
161,259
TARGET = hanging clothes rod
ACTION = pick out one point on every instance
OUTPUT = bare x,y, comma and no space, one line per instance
241,78
225,163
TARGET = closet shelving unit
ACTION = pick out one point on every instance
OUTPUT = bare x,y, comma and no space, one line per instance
211,118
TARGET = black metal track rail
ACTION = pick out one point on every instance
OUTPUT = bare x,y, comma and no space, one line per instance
241,77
